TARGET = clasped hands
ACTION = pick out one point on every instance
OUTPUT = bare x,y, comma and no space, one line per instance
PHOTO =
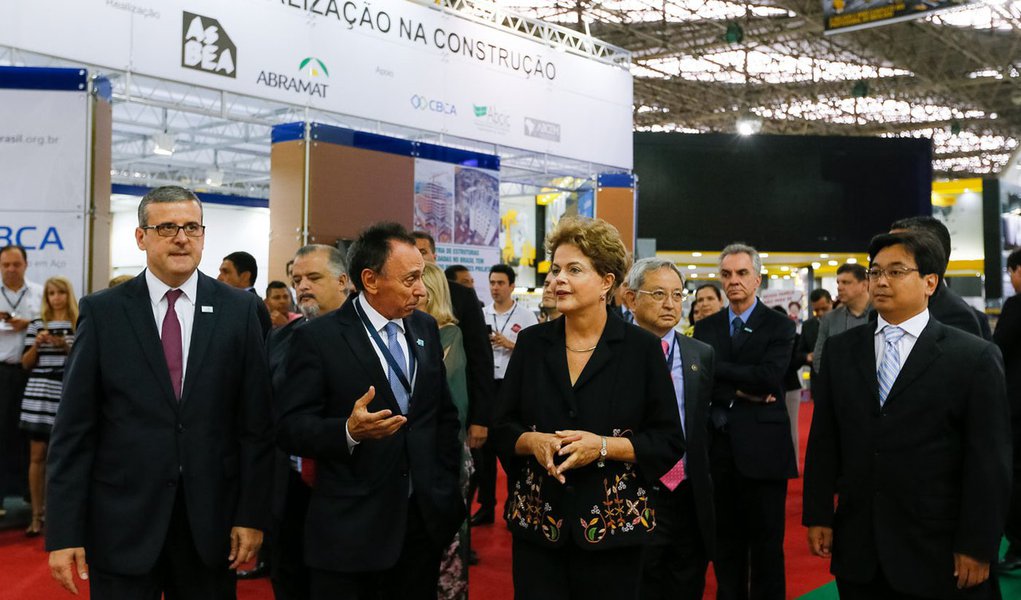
64,563
580,448
968,571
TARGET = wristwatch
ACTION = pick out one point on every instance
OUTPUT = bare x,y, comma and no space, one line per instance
602,454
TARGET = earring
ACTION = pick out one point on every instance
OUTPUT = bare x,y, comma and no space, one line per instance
602,297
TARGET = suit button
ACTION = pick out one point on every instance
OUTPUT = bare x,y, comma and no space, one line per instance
572,414
404,473
180,428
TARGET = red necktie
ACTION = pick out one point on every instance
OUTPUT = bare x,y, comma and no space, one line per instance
173,350
672,478
308,471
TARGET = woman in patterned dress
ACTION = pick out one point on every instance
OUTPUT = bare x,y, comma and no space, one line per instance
47,342
453,582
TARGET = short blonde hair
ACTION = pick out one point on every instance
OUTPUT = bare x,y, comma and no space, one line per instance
597,239
437,303
63,284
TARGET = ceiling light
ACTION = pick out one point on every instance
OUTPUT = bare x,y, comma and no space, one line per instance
712,274
774,277
785,268
852,261
163,143
816,265
832,263
749,125
692,267
214,177
696,254
824,256
786,276
764,254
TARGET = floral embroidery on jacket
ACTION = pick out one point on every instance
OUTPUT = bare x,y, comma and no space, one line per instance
529,510
618,513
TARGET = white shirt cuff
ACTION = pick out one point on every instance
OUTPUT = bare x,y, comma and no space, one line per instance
351,442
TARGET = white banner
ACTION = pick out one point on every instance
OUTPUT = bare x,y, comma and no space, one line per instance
43,149
388,60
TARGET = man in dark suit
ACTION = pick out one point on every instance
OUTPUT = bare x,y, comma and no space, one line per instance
1008,337
239,270
685,535
946,305
751,452
367,399
911,433
319,276
162,445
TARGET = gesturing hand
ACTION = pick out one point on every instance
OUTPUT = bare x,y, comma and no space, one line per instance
820,541
969,571
244,545
365,425
64,563
580,448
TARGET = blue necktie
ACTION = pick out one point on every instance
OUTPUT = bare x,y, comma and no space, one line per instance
401,394
737,324
890,365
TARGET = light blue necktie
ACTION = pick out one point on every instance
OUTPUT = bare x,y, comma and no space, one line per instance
401,394
890,366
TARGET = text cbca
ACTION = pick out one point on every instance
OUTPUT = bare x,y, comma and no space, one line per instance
28,236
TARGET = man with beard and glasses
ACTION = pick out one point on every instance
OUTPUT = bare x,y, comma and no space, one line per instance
320,279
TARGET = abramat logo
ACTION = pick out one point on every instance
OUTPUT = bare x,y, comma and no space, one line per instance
207,47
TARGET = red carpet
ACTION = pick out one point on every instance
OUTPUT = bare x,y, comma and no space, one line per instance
24,574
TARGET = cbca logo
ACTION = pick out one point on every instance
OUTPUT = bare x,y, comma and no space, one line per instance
207,47
312,70
437,106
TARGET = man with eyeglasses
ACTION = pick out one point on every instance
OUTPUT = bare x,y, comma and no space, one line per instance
162,447
685,535
911,434
751,452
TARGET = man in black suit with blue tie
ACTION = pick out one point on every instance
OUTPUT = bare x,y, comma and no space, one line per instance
369,402
751,452
162,447
685,536
911,434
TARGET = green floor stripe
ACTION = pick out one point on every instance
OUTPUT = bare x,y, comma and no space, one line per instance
1010,586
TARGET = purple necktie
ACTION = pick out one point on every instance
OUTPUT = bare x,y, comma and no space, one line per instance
173,350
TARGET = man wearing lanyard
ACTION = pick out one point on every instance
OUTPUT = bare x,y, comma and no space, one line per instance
367,399
685,536
20,302
505,319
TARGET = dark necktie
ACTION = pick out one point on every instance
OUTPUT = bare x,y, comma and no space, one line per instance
738,325
173,350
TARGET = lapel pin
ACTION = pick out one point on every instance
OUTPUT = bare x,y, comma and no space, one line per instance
207,309
694,368
421,343
746,330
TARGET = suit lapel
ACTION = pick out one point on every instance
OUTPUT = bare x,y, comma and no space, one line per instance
926,350
138,308
865,358
556,361
203,325
691,369
413,334
361,346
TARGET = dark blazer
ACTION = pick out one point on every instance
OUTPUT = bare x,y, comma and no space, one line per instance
806,342
471,321
755,364
921,478
1008,337
278,344
122,442
357,514
698,363
624,390
947,307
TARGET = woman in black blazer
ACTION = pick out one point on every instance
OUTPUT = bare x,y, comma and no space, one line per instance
585,421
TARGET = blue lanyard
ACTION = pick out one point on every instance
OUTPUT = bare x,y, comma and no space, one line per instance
508,317
670,356
397,369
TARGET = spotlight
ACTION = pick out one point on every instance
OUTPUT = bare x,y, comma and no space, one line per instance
749,125
163,143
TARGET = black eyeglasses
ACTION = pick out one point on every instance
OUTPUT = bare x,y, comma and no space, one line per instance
170,229
892,273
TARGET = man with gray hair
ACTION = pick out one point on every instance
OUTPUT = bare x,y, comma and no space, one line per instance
685,536
320,279
751,451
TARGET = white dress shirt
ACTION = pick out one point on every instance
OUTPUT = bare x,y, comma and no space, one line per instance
379,323
184,307
912,329
24,303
